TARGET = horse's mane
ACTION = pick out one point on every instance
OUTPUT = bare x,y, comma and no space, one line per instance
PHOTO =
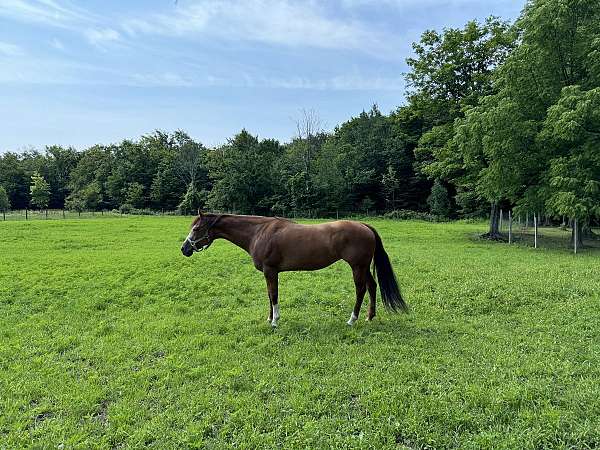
217,216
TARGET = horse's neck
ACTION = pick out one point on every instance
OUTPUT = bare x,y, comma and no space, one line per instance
239,230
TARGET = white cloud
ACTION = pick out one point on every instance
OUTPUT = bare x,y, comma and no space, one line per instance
279,22
63,15
8,49
355,82
334,83
101,36
166,79
47,12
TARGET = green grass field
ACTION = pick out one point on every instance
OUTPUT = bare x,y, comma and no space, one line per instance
109,338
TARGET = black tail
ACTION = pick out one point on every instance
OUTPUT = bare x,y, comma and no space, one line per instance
388,285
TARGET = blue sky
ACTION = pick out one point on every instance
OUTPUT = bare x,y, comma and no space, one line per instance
87,72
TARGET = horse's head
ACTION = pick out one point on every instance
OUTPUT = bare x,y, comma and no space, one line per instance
200,235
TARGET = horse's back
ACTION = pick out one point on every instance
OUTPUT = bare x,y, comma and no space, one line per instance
309,247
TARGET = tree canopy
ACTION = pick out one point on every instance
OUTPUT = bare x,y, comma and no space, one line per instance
497,115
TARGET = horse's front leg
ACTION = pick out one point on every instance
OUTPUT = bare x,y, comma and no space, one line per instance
270,316
272,278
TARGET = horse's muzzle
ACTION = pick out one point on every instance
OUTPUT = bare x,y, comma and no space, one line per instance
186,249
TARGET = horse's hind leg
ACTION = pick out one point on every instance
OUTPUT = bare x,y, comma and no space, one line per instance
360,282
372,287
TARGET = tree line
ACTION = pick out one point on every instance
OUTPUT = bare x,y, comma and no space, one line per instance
497,115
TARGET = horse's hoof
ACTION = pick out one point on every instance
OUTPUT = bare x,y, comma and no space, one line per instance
273,324
350,322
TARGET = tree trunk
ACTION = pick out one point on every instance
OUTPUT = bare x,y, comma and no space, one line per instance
579,235
587,233
494,231
547,221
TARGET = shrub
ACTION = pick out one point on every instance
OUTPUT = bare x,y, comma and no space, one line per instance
407,214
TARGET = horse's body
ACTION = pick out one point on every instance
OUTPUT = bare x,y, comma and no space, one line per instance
279,245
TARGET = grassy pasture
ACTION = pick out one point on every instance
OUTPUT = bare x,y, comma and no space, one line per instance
109,338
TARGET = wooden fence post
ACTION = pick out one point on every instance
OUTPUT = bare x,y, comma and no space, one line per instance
46,213
509,226
25,213
535,226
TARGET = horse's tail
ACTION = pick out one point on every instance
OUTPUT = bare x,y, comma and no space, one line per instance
388,285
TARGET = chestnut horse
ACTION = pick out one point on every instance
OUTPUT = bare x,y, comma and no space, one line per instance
279,245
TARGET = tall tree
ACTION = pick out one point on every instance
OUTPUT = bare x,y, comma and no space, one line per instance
40,191
308,127
438,201
4,201
391,186
15,179
189,160
95,165
58,166
572,180
508,159
356,156
243,174
452,70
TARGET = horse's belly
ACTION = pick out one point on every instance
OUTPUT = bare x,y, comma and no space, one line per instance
303,259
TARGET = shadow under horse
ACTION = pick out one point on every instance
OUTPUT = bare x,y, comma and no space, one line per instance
280,245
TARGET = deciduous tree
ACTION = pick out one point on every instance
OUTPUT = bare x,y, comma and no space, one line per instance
39,191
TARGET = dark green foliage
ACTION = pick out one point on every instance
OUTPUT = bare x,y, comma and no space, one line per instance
134,195
354,160
532,143
192,201
438,201
4,201
451,71
407,214
243,174
167,186
15,178
572,129
454,68
75,202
